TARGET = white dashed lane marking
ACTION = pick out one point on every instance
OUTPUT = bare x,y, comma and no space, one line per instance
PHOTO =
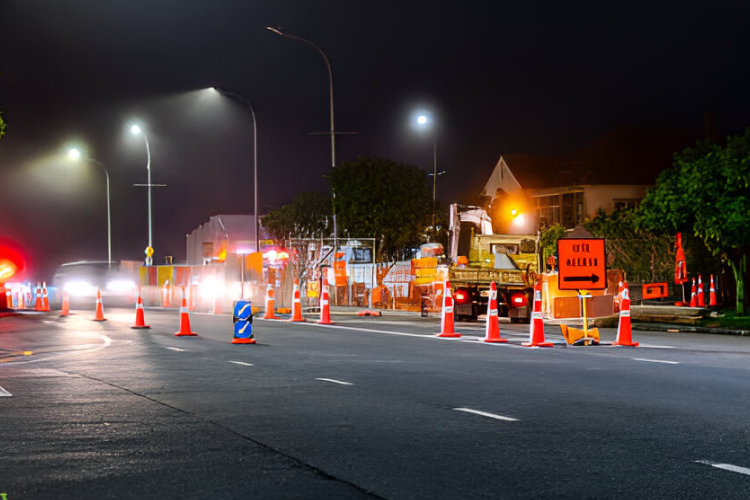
729,467
485,414
241,363
4,393
176,349
334,381
657,361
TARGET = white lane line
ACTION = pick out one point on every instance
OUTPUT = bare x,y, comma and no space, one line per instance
334,381
4,393
657,361
424,336
729,467
485,414
653,346
176,349
241,363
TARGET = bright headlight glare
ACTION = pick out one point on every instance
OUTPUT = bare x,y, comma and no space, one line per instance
80,288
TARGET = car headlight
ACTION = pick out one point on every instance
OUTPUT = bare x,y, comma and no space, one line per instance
121,286
80,288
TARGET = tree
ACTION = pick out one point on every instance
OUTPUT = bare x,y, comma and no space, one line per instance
707,193
379,198
548,241
307,216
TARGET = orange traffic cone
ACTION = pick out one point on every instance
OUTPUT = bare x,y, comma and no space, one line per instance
270,303
624,332
296,304
99,308
701,298
446,321
38,302
536,329
140,321
712,294
65,304
325,310
185,320
492,331
693,298
45,297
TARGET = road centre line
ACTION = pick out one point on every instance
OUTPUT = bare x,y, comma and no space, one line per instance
240,363
657,361
485,414
729,467
4,393
175,349
424,336
334,381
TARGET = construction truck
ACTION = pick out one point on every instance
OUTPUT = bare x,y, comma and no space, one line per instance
478,257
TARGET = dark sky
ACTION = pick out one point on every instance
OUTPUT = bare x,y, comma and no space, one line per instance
526,77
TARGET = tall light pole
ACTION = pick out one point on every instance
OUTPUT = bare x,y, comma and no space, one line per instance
75,154
423,121
255,159
330,90
136,130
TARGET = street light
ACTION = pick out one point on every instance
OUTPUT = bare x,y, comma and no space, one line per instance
255,159
330,90
423,121
75,155
136,130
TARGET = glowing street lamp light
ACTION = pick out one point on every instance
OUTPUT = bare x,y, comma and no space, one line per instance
136,130
75,155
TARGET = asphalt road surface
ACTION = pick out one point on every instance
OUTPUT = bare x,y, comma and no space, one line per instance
365,408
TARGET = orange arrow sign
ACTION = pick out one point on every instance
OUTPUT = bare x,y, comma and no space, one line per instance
582,264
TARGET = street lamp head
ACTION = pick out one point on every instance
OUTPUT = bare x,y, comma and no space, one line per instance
135,130
422,119
74,154
275,30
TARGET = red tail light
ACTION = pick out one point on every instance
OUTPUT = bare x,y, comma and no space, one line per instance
519,299
461,296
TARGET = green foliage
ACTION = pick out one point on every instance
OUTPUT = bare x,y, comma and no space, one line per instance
548,240
706,193
642,255
2,126
307,216
382,199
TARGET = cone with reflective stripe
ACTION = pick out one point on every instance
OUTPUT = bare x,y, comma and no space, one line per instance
700,297
624,332
296,304
99,308
140,322
693,298
270,303
492,330
325,309
38,302
447,320
65,304
45,297
536,328
712,294
185,320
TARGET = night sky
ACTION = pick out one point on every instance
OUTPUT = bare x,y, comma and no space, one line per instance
525,77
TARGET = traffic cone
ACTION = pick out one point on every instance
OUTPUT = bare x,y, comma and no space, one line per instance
65,304
270,303
45,297
296,304
492,331
712,294
325,310
701,298
99,308
140,322
693,298
536,329
38,302
185,320
624,332
21,300
446,321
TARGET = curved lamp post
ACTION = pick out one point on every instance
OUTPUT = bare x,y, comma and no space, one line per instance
423,121
255,158
136,130
330,90
75,154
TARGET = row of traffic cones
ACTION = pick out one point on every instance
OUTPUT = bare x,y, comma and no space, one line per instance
536,326
697,295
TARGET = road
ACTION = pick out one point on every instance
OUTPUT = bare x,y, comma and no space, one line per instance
366,408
